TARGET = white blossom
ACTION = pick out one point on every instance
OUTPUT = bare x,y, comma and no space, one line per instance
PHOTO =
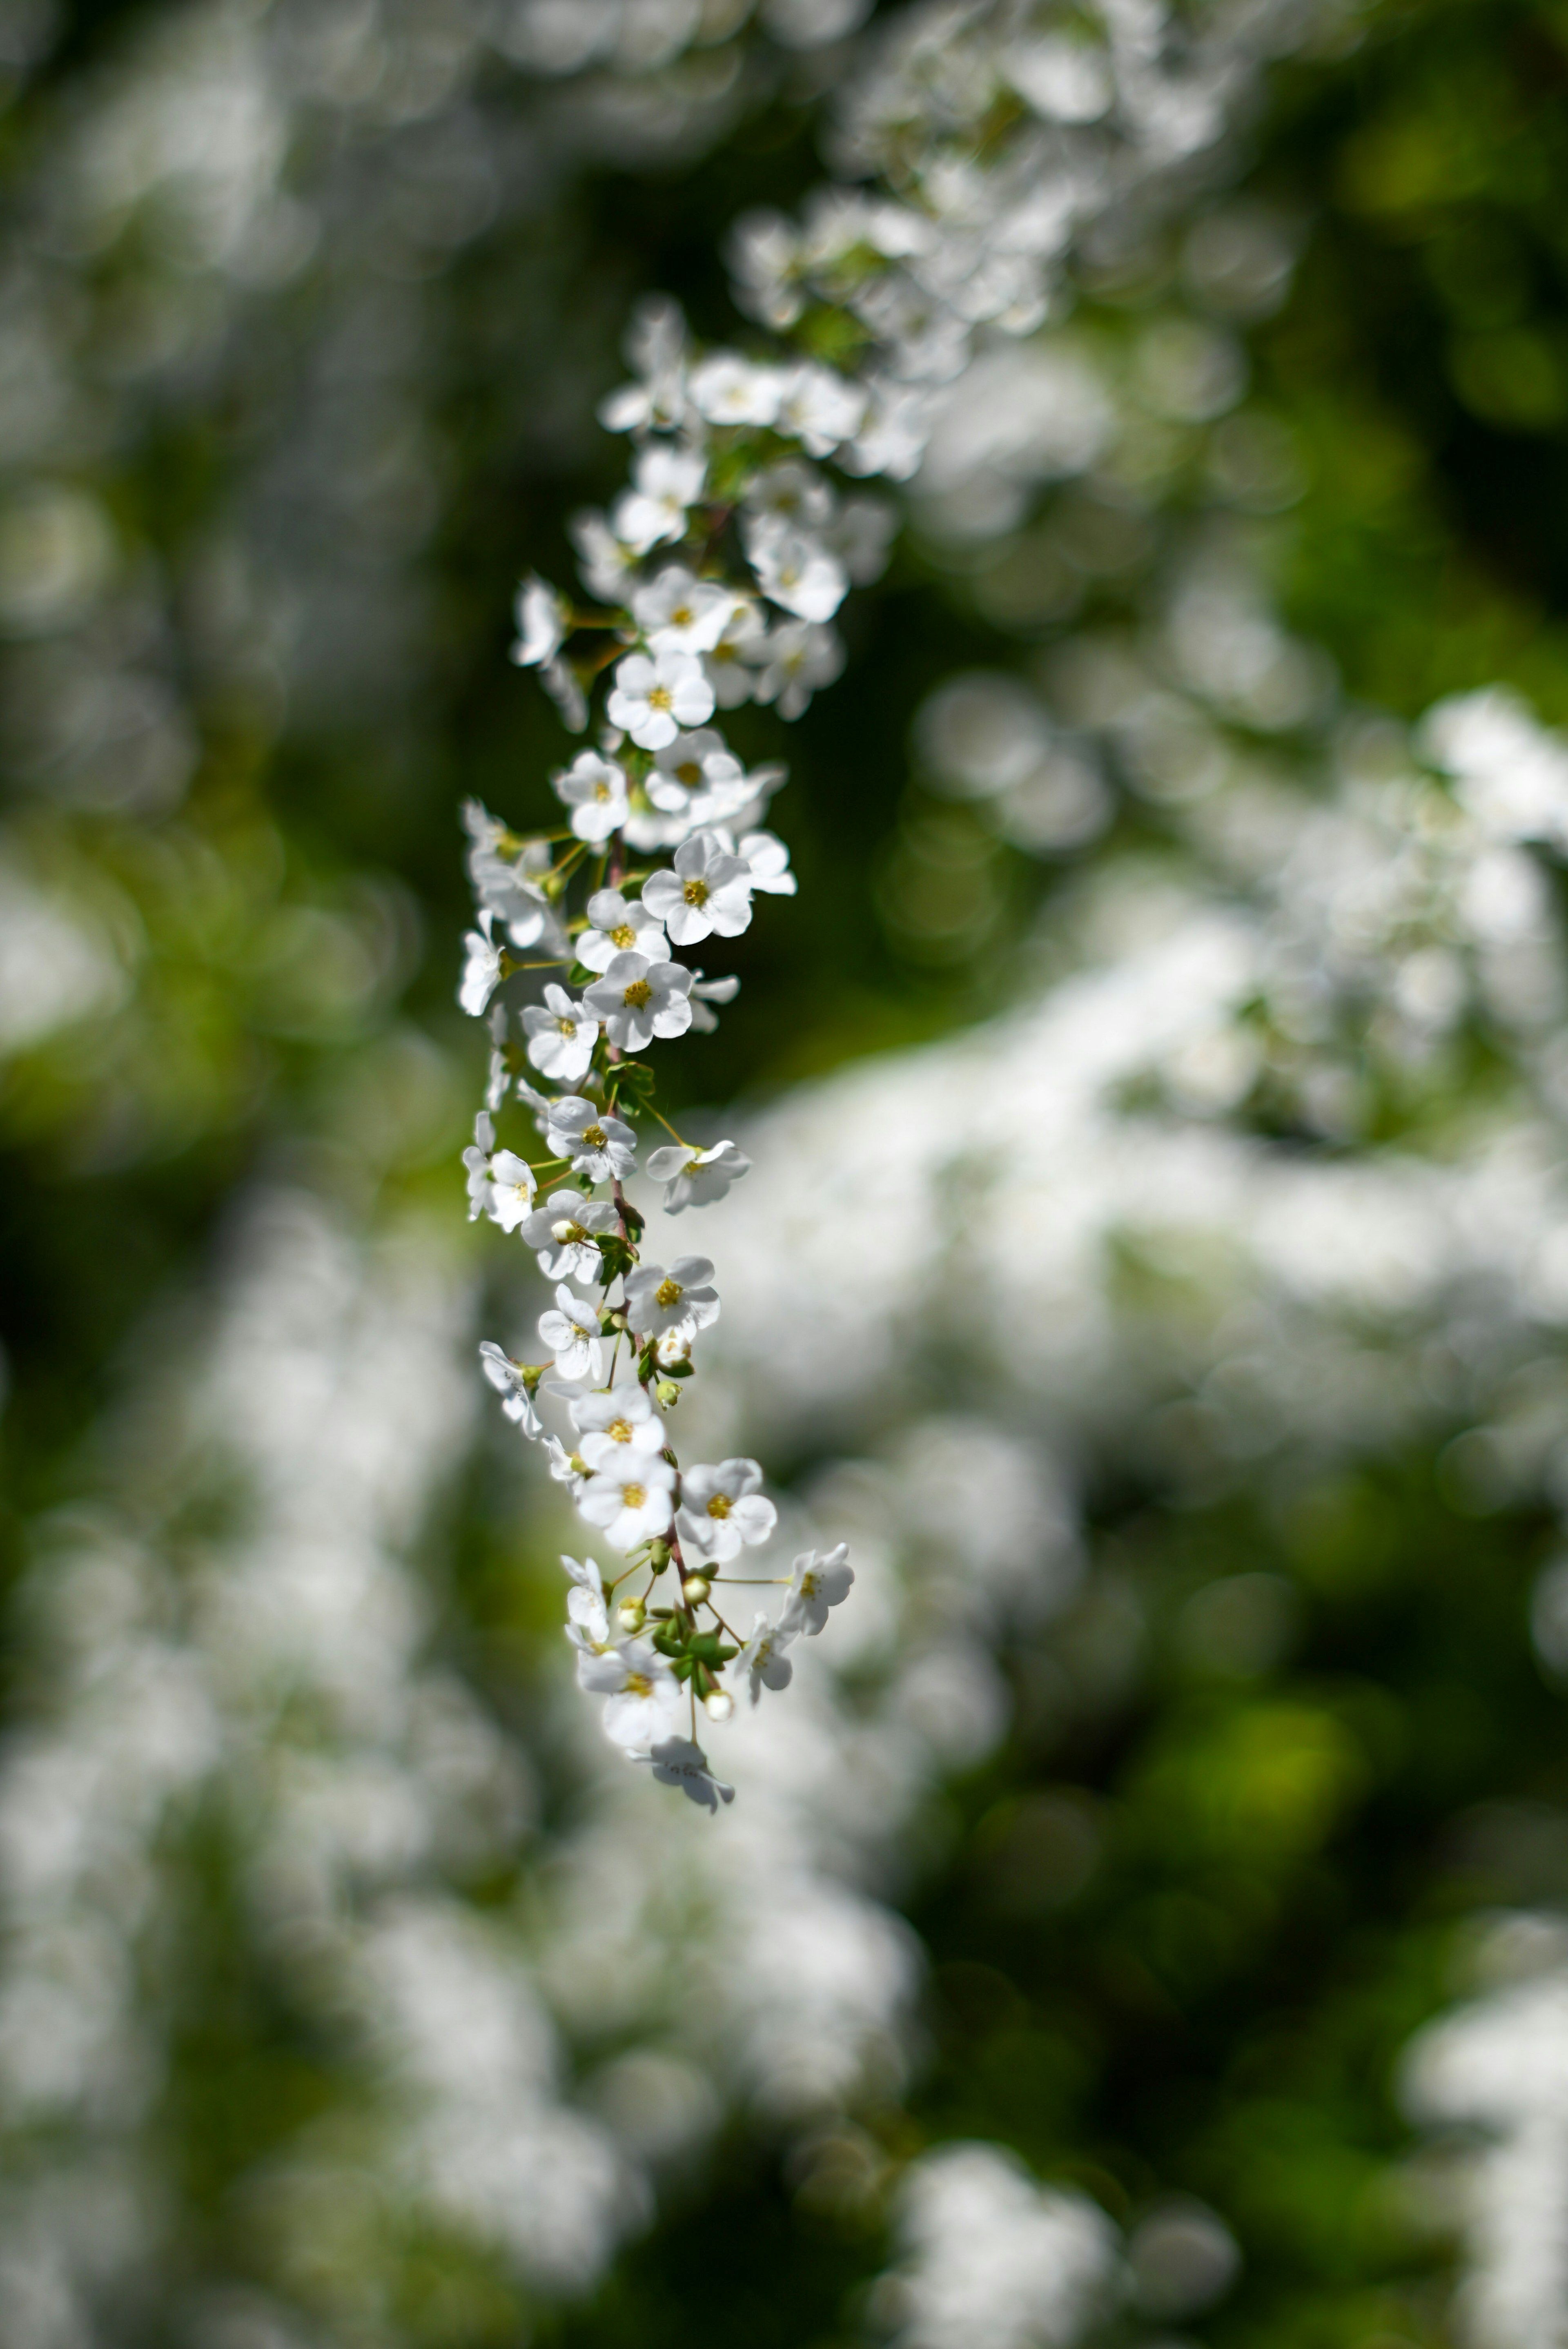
637,999
709,889
617,1421
820,408
563,1469
667,481
762,1661
861,534
643,1696
505,874
696,1178
792,494
656,346
820,1579
654,698
681,1298
507,1378
482,967
476,1162
561,683
564,1232
728,389
692,763
629,1502
767,860
678,1762
619,924
498,1080
728,667
587,1619
680,614
721,1508
571,1329
560,1036
800,655
796,571
541,621
598,1144
608,565
594,788
706,991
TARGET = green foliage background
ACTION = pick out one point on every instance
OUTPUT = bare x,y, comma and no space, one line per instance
1282,1893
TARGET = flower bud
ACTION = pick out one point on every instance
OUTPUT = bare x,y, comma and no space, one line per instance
694,1589
632,1615
668,1393
658,1557
718,1705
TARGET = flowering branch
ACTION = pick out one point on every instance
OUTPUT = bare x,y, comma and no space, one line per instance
720,569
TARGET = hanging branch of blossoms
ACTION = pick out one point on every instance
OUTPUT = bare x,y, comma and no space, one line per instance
1001,131
716,576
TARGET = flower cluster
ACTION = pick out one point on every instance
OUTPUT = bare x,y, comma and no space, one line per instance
717,575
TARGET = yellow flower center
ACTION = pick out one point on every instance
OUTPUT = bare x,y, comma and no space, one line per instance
668,1293
634,1496
593,1135
682,616
637,994
619,1431
601,792
567,1027
638,1685
695,892
688,772
658,697
624,936
720,1505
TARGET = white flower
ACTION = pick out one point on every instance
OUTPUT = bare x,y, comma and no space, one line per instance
562,685
561,1466
563,1231
637,1000
763,1661
614,1424
652,699
691,763
678,1762
587,1619
498,1082
630,1501
768,861
504,883
680,614
594,788
897,427
682,1298
790,492
727,665
820,408
695,1178
507,1378
796,571
511,1188
728,389
542,620
482,969
674,1349
721,1508
607,566
619,926
560,1036
820,1579
710,990
667,481
571,1329
477,1160
598,1145
710,889
644,1695
656,346
800,657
